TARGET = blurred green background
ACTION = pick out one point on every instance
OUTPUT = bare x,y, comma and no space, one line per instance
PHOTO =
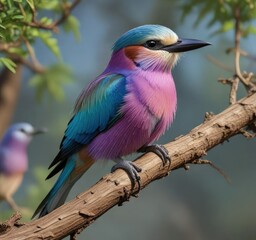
196,204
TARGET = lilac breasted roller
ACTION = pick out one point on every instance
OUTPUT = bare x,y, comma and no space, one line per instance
14,159
124,110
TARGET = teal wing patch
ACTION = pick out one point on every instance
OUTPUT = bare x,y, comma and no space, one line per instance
98,109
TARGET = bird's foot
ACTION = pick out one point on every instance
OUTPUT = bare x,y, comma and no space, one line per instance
159,150
132,171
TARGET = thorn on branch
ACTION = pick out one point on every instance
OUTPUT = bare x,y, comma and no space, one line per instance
186,167
225,81
208,116
204,161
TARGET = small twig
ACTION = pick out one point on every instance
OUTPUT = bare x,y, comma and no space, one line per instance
247,134
31,66
6,46
238,75
35,63
242,53
248,85
204,161
22,10
224,81
54,25
247,55
233,91
66,12
245,80
219,64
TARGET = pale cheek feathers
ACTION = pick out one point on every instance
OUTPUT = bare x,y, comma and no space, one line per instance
158,59
151,59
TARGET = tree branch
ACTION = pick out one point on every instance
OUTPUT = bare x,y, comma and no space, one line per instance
9,91
67,8
115,188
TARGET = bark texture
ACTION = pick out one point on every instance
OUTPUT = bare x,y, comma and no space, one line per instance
9,92
115,188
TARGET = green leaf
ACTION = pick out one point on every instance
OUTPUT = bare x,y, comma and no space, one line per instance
19,51
31,4
72,25
227,26
8,63
9,3
50,42
19,17
248,30
221,13
48,4
46,20
52,81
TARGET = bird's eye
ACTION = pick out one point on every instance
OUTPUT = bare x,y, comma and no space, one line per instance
23,130
153,44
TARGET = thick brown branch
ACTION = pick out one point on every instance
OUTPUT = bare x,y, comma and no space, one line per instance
13,221
113,188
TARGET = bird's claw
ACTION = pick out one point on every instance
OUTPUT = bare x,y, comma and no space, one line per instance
159,150
132,171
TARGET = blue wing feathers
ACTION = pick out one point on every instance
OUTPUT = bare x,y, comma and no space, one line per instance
54,194
98,112
100,107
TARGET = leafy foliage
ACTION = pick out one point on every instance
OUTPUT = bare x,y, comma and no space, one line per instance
18,21
52,81
222,12
8,63
22,22
72,25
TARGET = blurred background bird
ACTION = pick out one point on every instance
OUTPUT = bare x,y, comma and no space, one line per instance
14,159
124,110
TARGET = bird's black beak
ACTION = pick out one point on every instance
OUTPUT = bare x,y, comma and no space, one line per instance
184,45
39,131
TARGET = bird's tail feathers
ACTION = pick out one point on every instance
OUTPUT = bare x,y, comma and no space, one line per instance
59,192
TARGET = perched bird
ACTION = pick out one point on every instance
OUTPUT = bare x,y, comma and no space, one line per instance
14,159
124,110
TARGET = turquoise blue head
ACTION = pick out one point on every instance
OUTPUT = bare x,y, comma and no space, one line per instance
140,35
154,47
